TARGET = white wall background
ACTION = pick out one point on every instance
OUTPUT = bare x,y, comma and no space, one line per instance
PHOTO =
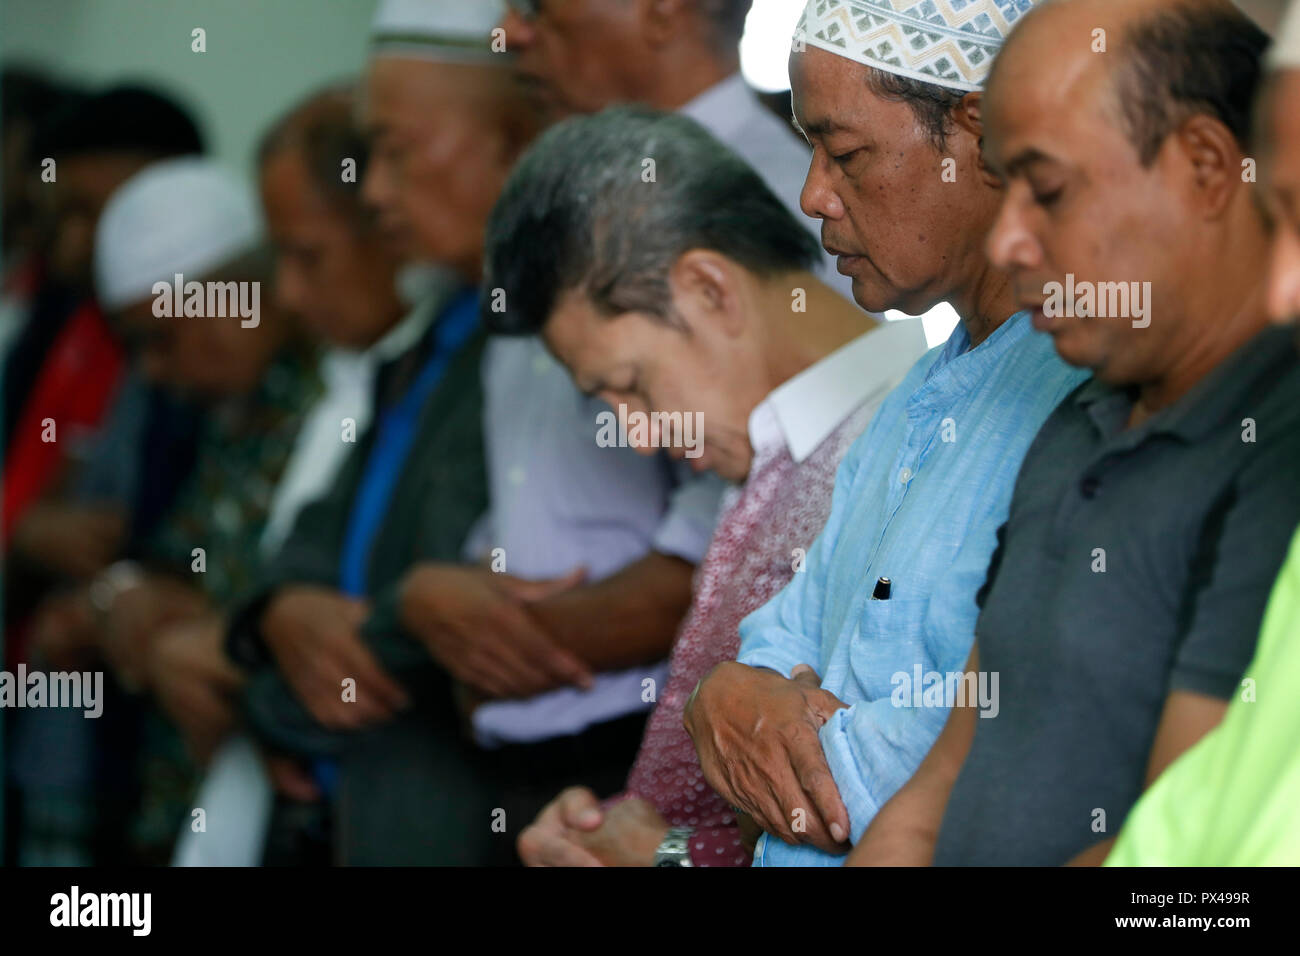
262,55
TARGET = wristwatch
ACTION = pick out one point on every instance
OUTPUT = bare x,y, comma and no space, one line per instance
675,850
112,581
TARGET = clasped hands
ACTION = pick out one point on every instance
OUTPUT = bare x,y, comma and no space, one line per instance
473,621
756,735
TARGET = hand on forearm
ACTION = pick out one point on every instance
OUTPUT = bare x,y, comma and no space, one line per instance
625,620
135,617
756,734
479,626
195,684
314,634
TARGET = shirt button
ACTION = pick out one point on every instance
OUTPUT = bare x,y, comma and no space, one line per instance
518,476
541,364
905,476
1088,487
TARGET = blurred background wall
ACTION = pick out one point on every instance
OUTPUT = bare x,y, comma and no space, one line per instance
262,55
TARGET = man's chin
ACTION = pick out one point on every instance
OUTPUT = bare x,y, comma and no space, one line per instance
879,301
1082,355
871,297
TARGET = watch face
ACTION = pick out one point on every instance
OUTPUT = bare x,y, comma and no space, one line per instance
675,848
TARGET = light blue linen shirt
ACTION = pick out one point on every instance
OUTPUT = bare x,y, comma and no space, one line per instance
918,500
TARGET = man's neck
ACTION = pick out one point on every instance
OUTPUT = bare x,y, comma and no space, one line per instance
795,341
1205,342
682,75
1221,308
986,302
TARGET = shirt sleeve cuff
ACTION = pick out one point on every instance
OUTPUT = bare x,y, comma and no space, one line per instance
1199,680
772,659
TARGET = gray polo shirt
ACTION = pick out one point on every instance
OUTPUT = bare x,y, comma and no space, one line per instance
1192,521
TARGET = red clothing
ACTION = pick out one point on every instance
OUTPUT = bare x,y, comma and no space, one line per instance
781,507
76,383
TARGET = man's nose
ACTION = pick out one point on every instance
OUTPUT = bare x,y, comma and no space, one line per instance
520,31
1010,244
818,199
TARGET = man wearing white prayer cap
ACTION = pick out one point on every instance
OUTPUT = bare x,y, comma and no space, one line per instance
579,57
446,121
1230,800
888,95
142,235
179,241
180,268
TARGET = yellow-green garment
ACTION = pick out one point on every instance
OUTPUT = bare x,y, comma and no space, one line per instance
1234,798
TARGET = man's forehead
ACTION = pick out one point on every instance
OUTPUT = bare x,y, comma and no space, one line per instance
572,322
818,123
821,81
1018,139
1036,102
828,112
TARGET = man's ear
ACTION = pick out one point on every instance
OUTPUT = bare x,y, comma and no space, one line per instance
1212,161
968,117
704,284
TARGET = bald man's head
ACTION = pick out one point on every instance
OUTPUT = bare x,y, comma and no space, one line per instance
1119,129
1160,60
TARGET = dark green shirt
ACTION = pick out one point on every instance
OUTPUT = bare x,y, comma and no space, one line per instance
1191,513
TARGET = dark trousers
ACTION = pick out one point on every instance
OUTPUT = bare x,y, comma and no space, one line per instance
529,776
416,792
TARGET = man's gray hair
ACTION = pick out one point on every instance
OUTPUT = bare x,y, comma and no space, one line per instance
607,203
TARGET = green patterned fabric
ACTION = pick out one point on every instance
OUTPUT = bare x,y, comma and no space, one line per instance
222,508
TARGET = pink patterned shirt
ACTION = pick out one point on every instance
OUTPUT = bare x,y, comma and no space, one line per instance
762,535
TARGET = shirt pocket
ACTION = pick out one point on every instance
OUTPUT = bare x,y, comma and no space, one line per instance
890,646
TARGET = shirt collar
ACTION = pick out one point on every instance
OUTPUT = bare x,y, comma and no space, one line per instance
804,410
723,106
1215,398
402,337
960,368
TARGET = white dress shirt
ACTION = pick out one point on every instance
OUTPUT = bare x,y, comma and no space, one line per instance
802,411
319,448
